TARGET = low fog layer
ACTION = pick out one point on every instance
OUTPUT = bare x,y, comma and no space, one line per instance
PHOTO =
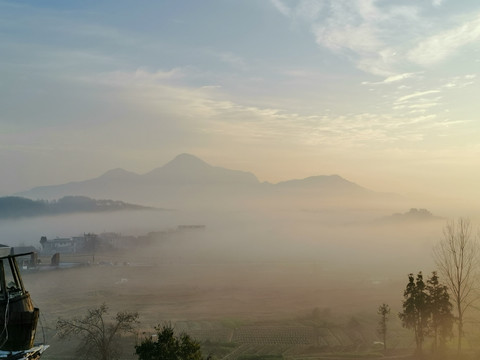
335,238
247,265
248,252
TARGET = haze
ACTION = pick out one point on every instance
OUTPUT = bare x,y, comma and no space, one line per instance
382,93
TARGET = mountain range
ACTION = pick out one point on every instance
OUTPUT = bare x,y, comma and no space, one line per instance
188,180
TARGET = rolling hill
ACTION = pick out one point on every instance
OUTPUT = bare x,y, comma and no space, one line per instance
16,207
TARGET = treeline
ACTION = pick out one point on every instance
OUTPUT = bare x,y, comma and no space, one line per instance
428,311
15,206
435,308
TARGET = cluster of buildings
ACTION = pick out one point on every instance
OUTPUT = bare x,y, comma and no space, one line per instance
108,241
71,245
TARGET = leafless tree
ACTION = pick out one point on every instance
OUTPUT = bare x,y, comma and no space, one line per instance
456,256
99,336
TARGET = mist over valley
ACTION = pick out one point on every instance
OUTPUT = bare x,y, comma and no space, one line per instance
280,180
263,250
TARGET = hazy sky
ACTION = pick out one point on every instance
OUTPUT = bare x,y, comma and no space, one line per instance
383,92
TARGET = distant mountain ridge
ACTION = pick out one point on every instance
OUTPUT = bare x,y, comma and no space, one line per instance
187,179
325,182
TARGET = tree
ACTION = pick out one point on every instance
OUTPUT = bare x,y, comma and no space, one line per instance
99,337
440,310
383,311
456,256
169,346
416,310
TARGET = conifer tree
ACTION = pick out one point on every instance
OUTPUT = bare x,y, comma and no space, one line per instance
416,309
441,311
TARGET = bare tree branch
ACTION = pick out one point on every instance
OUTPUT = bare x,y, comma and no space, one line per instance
97,334
456,256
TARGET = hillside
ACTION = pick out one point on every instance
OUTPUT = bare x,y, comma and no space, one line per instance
412,215
15,207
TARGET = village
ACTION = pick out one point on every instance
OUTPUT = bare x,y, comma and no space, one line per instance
91,249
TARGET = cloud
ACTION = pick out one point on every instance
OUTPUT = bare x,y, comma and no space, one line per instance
309,9
360,30
210,111
445,44
139,77
281,7
349,26
399,77
417,95
392,79
360,39
460,81
423,106
382,38
306,10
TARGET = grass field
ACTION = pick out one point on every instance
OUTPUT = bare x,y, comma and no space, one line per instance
264,308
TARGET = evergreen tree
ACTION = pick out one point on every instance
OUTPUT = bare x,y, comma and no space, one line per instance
416,309
441,311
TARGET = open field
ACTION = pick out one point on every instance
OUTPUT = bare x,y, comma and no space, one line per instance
199,291
241,303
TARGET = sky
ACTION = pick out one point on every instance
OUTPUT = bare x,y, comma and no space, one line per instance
382,92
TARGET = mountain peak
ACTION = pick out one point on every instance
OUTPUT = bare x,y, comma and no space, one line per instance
187,168
187,157
117,173
186,160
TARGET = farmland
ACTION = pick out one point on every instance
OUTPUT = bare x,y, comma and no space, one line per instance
234,309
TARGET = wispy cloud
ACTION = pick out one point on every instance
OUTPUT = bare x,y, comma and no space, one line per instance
423,106
417,95
139,77
281,7
357,29
309,9
210,110
444,44
460,81
383,39
359,39
392,79
399,77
